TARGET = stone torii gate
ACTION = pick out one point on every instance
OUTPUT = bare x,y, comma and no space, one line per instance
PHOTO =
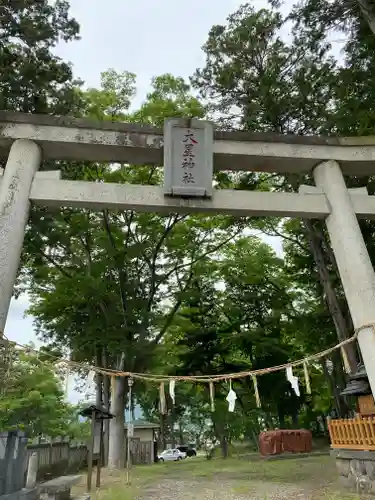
27,140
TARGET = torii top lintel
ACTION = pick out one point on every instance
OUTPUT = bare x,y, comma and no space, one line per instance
67,138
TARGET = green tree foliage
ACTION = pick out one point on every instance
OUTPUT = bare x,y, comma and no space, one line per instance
119,282
169,97
33,79
241,313
258,82
127,272
32,399
285,88
322,18
190,294
299,87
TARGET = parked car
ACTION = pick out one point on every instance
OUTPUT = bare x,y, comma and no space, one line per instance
171,455
190,452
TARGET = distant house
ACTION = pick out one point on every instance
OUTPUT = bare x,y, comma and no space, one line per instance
143,442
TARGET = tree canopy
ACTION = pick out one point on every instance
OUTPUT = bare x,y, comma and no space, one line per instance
33,399
193,295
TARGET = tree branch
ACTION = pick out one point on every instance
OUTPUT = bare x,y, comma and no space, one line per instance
173,311
122,275
288,238
54,263
173,220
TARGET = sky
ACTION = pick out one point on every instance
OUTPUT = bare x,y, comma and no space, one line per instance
144,37
147,38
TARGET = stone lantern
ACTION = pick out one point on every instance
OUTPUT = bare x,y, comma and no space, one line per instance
359,387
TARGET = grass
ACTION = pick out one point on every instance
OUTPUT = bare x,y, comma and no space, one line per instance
318,473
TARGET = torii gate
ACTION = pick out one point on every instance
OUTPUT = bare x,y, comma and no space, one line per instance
26,140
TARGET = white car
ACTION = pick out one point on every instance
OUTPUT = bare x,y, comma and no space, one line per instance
171,455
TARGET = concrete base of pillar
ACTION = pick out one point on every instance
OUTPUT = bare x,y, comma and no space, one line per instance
356,470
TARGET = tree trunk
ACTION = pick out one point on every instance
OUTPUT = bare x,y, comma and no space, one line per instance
162,440
254,437
330,294
315,242
171,423
269,421
340,404
368,12
338,370
116,452
224,446
295,422
98,389
340,379
281,416
323,424
220,435
181,433
106,403
99,384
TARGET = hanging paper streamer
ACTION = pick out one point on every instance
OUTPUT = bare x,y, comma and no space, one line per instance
256,390
172,385
212,396
307,377
163,406
345,360
292,380
231,398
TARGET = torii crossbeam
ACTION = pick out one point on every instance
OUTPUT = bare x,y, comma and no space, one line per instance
25,140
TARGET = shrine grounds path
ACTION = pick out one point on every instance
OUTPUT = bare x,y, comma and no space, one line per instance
241,478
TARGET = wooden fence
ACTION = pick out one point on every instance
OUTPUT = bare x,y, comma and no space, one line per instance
353,433
57,459
61,458
141,452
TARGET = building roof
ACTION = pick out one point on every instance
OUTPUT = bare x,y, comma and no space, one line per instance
99,412
143,424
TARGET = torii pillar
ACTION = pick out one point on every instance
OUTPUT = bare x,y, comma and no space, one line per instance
23,162
353,261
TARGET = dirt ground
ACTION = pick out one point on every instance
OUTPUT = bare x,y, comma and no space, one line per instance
311,478
221,489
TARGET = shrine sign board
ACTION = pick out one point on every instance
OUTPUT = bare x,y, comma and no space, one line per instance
188,158
130,428
97,434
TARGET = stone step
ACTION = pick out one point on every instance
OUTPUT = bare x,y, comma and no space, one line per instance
58,488
59,484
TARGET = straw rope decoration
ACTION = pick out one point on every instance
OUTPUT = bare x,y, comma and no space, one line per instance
208,379
256,390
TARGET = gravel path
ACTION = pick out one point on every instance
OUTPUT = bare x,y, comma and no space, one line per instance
217,489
